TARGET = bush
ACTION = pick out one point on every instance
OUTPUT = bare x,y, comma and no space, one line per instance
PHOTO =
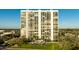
68,42
18,41
1,41
12,42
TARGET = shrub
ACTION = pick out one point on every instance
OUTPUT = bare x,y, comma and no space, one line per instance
12,42
1,41
18,41
68,42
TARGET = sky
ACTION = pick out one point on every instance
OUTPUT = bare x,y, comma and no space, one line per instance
69,18
10,18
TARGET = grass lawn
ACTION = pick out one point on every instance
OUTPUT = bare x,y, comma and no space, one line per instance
48,46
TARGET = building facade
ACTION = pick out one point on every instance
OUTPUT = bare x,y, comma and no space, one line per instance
41,24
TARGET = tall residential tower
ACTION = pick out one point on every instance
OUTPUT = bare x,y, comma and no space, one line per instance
40,23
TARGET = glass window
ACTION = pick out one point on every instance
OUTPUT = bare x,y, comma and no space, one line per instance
55,14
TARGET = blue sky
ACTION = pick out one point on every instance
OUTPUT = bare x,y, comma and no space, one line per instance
10,18
69,18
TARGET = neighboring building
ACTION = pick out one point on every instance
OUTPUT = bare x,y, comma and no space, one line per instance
39,23
1,31
7,33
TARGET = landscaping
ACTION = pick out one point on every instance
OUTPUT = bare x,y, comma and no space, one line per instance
48,46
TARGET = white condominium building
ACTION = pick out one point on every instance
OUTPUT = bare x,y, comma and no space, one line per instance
40,23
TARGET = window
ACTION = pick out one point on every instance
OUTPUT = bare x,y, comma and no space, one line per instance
48,16
55,14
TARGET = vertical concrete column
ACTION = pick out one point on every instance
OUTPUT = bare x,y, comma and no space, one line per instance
27,12
20,23
51,25
22,29
39,23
